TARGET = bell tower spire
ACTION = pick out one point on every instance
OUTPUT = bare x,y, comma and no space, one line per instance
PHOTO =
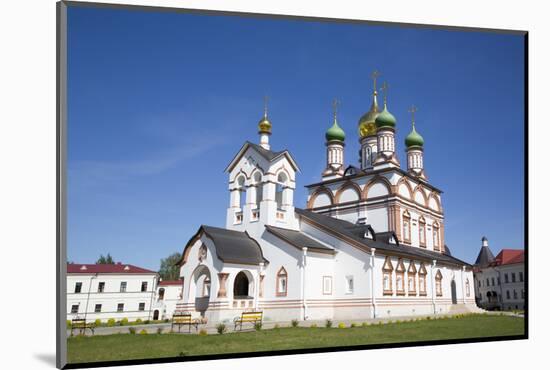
367,129
415,149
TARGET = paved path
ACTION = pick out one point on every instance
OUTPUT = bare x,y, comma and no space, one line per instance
211,327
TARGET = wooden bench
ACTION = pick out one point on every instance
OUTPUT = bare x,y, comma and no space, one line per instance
184,318
252,317
81,325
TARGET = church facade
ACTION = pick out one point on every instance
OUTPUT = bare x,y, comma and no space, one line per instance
369,243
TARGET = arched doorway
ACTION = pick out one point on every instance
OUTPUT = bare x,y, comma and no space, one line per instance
199,289
241,286
453,291
156,315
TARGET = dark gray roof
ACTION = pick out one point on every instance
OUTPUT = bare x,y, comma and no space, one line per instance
233,246
356,233
299,240
484,257
447,250
269,155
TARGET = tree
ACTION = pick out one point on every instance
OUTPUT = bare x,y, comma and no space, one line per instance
105,260
168,268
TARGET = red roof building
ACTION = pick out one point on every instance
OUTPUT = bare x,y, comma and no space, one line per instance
170,282
509,257
117,268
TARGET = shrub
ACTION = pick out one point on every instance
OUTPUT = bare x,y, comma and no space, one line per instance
143,332
398,321
221,328
97,322
203,332
147,322
428,318
365,324
276,326
294,323
139,321
353,325
132,330
328,323
124,321
159,330
111,322
313,326
69,324
166,320
258,326
341,325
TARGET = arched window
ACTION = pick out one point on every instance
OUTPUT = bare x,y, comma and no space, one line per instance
411,278
241,193
436,235
406,227
206,287
282,282
422,279
240,286
422,231
387,270
467,288
438,285
161,294
279,189
400,278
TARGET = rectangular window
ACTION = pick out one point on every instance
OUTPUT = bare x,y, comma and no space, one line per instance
506,278
522,294
143,286
101,287
479,283
498,281
521,276
515,295
123,285
507,294
120,307
74,308
493,281
406,229
349,284
513,277
327,284
487,281
78,287
142,306
97,308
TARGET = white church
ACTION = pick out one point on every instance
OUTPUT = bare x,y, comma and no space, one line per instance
369,243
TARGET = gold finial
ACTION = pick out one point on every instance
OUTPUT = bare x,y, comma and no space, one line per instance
385,87
335,104
266,98
375,74
412,111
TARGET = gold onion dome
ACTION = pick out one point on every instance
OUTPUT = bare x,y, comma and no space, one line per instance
264,126
367,125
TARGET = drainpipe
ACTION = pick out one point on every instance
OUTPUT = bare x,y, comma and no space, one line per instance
433,283
151,302
88,299
303,292
373,296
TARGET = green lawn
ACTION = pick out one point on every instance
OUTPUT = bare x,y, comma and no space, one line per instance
128,346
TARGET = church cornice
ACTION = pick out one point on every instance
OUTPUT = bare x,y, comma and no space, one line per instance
365,173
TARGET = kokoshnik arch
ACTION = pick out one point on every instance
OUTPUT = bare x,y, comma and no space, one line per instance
370,242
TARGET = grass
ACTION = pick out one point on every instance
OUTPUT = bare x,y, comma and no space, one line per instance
125,346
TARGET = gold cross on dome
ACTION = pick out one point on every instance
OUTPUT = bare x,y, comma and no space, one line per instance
412,111
335,104
385,87
375,74
266,99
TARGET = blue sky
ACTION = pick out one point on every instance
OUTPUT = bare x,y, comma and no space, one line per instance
160,102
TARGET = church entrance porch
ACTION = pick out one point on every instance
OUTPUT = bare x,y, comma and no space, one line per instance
243,291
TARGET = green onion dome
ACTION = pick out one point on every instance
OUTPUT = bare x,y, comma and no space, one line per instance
335,132
414,139
264,126
385,118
